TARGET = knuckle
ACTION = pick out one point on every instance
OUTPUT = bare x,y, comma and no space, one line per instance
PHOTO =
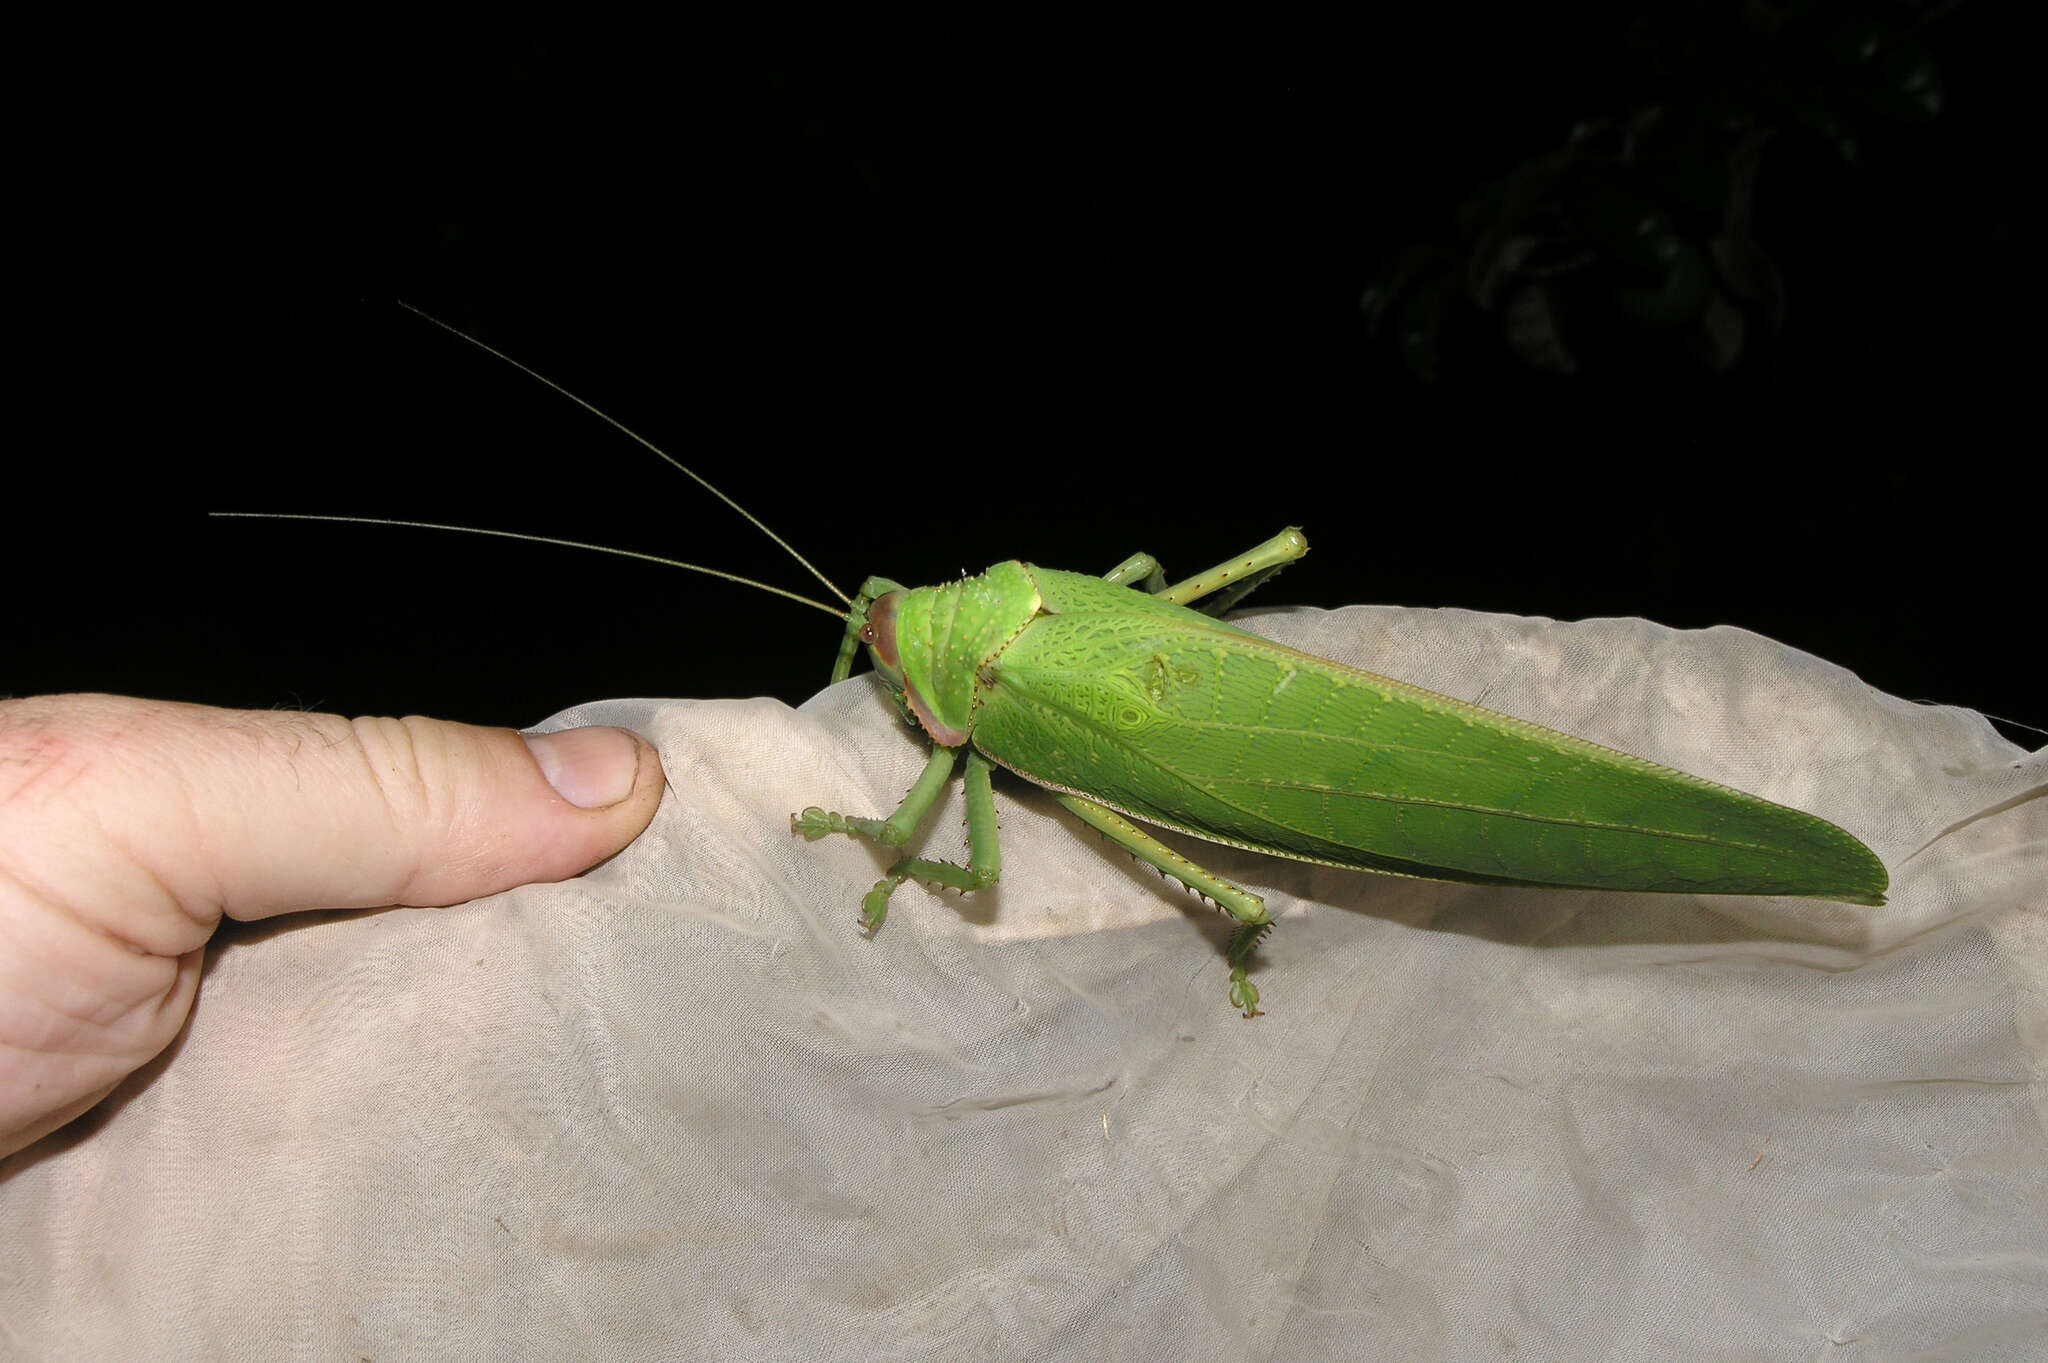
398,755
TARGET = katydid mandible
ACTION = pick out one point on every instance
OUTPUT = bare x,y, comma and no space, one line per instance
1134,707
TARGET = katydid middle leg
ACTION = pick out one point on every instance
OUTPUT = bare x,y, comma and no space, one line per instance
1227,583
1253,920
1141,571
984,848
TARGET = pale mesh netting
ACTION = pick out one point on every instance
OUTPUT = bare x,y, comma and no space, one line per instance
680,1108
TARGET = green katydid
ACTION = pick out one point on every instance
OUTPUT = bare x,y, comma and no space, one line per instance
1132,706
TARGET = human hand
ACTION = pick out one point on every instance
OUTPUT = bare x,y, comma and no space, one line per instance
129,827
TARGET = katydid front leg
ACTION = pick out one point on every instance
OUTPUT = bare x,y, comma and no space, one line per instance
984,848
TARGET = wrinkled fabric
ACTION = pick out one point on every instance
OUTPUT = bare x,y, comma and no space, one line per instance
680,1107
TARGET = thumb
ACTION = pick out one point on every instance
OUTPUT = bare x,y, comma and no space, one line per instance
129,827
426,812
252,813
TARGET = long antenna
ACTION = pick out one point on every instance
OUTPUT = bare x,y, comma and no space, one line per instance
634,435
534,539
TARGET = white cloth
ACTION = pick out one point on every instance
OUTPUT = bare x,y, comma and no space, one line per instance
679,1108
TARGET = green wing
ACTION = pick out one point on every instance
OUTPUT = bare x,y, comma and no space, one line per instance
1178,720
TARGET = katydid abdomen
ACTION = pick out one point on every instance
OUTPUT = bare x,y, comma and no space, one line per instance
1185,722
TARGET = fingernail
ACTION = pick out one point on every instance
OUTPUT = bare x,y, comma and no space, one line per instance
591,768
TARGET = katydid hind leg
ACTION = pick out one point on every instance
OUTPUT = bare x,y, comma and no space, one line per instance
1229,582
1247,908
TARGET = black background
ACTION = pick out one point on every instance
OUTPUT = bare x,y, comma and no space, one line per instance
926,293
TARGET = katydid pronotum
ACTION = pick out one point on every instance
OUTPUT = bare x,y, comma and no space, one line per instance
1133,703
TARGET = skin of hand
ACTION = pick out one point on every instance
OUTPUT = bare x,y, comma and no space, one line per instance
129,828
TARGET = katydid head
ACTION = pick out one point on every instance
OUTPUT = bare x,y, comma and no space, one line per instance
872,623
869,624
933,646
878,632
